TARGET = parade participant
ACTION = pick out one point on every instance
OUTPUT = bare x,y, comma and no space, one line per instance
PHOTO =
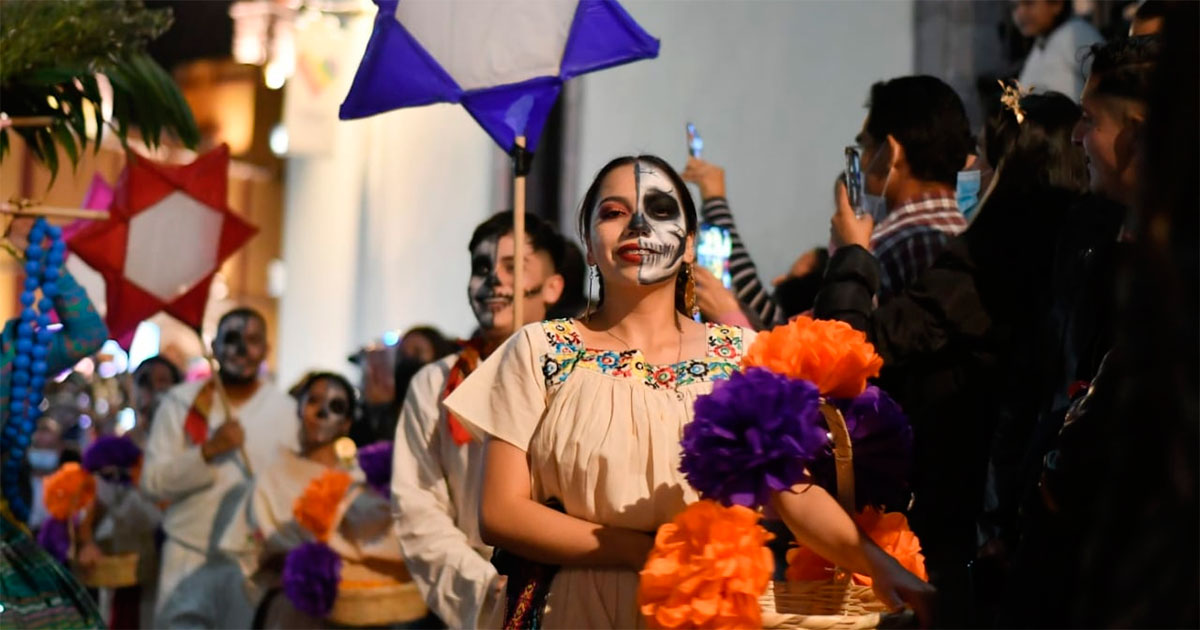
37,591
201,456
358,519
587,414
435,484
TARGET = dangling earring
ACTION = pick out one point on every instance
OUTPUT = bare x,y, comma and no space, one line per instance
587,314
689,292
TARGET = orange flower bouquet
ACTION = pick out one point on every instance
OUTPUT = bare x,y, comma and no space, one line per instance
831,354
316,508
68,490
707,569
889,530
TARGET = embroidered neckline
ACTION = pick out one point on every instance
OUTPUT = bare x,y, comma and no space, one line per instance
724,351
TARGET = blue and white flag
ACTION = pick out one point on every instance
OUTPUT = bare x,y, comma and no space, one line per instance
504,60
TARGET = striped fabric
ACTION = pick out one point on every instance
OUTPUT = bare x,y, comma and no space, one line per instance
746,285
35,591
908,240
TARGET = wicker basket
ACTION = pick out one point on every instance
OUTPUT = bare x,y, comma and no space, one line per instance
115,571
836,602
376,593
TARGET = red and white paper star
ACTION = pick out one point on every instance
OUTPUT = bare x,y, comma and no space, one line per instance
169,229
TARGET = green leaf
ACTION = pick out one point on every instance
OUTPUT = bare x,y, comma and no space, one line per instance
67,141
49,153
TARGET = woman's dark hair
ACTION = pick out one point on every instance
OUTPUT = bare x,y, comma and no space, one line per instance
310,379
541,234
689,212
574,274
141,375
1036,153
441,345
1064,13
928,119
1124,68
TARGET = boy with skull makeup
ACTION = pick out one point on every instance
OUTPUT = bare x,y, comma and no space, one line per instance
436,466
194,459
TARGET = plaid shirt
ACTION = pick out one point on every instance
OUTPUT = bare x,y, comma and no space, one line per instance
908,240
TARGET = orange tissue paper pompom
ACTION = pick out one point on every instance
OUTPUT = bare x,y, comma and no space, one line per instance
707,569
831,354
889,530
316,507
68,490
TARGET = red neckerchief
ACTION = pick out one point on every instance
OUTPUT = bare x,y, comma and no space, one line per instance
195,425
473,350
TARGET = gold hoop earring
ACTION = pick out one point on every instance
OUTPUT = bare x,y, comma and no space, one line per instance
689,292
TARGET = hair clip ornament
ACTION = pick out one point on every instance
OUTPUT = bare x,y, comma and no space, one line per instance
1011,98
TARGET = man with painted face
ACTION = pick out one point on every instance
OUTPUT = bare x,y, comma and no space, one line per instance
435,473
914,140
196,458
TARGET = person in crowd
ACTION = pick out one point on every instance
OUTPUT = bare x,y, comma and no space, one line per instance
1111,132
126,519
359,527
151,380
747,288
437,464
914,140
38,593
1059,37
1148,18
207,441
615,388
1123,481
954,342
386,377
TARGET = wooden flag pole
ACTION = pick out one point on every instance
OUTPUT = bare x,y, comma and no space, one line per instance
36,210
215,366
519,240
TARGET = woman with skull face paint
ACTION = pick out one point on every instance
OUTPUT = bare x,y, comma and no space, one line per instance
588,413
360,532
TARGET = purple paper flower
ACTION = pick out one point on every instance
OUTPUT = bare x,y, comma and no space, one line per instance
754,434
54,538
376,463
311,573
110,450
881,438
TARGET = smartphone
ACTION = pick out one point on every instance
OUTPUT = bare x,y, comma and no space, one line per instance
713,249
854,180
695,143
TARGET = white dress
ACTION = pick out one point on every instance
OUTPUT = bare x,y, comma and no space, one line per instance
602,432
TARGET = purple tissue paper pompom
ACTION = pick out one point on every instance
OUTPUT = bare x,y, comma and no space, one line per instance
753,435
311,573
54,538
376,463
110,450
882,439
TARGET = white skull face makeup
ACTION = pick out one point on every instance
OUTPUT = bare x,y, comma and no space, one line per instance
485,287
658,223
325,413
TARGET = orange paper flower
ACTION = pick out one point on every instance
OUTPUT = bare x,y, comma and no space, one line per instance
68,490
835,357
316,507
707,569
889,530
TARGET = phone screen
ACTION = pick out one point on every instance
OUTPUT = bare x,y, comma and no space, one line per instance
695,143
713,249
854,180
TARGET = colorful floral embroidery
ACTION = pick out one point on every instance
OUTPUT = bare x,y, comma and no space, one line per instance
568,353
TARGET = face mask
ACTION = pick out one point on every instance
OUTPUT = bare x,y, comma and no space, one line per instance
43,459
876,205
966,192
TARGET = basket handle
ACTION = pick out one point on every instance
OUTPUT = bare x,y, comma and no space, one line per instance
843,456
